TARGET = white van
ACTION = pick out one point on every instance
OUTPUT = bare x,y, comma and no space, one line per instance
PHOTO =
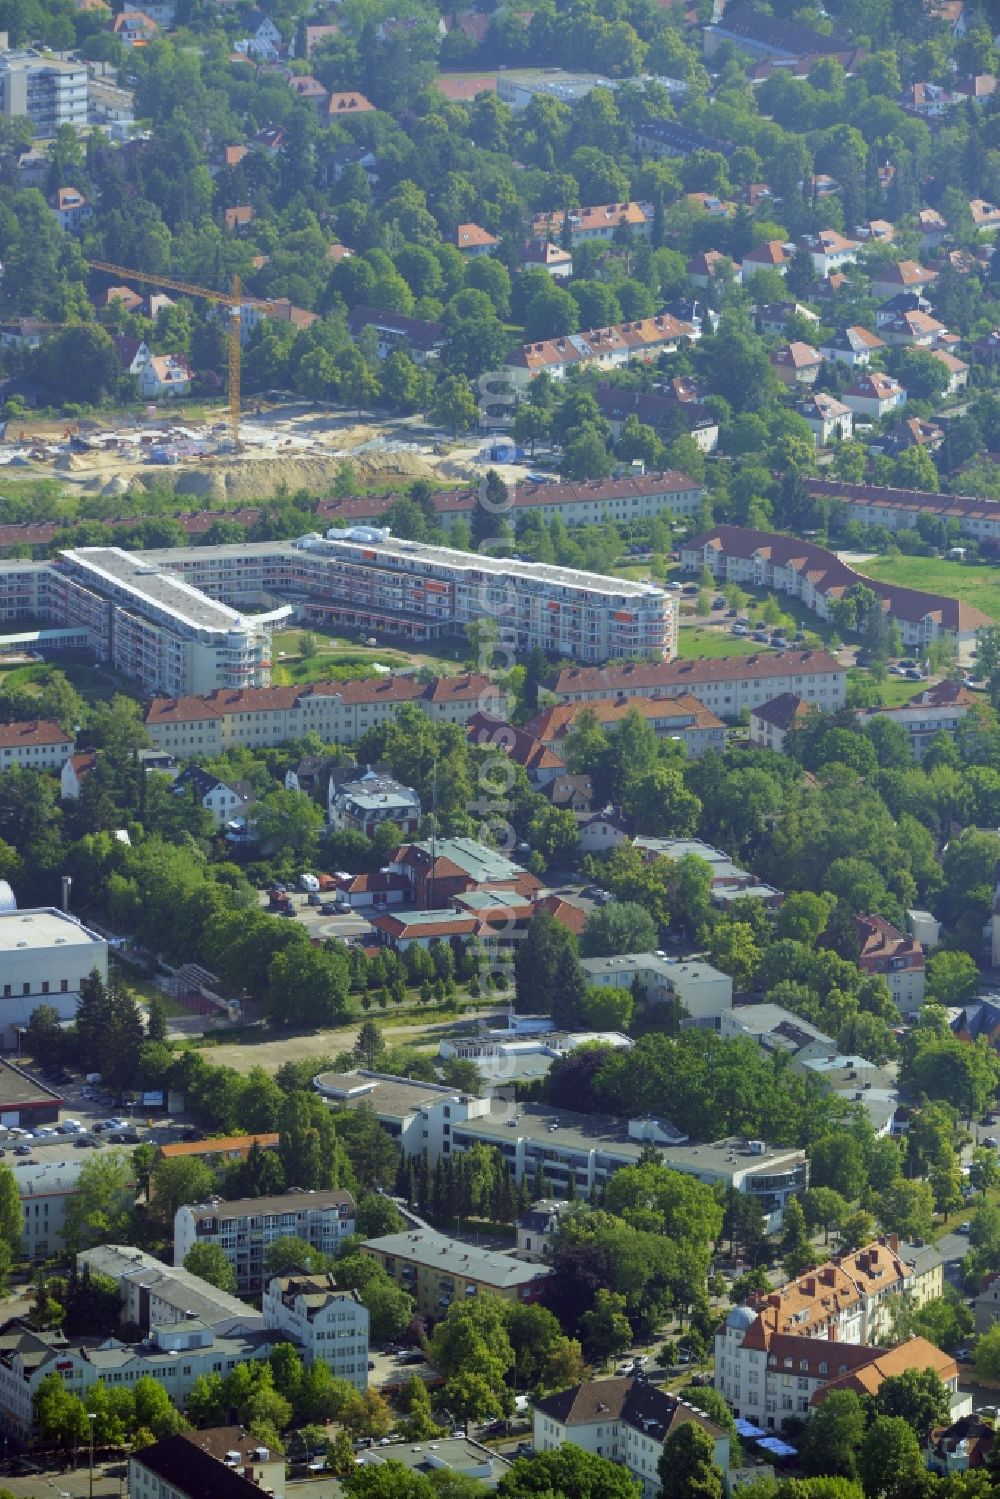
71,1127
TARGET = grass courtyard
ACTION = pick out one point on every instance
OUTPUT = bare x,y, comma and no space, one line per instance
973,583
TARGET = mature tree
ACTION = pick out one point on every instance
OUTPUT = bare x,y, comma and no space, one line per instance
987,1356
378,1214
952,977
620,927
889,1458
176,1182
536,961
210,1262
605,1329
102,1207
568,1470
916,1395
797,1249
687,1467
833,1435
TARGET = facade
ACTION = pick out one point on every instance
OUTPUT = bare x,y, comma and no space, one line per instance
771,723
37,744
537,1228
339,712
766,559
45,956
724,685
45,1190
588,502
626,1420
604,348
49,90
702,992
894,956
243,1229
987,1307
330,1326
364,805
773,1356
437,1271
898,509
682,718
874,394
222,800
852,346
796,364
590,1148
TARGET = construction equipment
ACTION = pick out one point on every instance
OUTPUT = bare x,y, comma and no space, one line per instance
234,300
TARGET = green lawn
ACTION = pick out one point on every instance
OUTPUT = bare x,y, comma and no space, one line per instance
973,583
695,640
894,691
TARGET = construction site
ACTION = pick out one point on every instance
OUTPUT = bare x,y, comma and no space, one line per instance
282,442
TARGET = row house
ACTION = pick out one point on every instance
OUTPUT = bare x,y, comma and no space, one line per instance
724,685
338,712
607,348
818,577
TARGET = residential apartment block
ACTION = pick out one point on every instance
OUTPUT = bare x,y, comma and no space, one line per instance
158,1295
626,1420
701,991
51,91
818,577
588,502
895,956
682,718
330,1326
37,744
45,1188
597,222
898,509
45,956
437,1270
367,579
724,685
339,712
181,1467
772,1355
243,1229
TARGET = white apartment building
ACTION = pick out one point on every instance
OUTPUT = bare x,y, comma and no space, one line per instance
45,1188
51,91
36,744
702,991
329,1325
725,685
589,502
45,956
625,1420
153,626
365,578
243,1229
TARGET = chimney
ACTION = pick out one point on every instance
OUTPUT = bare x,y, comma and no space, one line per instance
67,885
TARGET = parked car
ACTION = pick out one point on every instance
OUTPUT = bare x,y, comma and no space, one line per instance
990,1140
914,674
86,1142
22,1149
964,1228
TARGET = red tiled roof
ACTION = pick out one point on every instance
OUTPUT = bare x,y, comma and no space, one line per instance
657,676
35,731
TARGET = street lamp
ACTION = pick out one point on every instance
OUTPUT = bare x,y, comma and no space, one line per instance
91,1417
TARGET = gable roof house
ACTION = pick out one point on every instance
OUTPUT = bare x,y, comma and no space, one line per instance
796,363
164,375
907,275
874,394
830,251
828,418
852,346
224,800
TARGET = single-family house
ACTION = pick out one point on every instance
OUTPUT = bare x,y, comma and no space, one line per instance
796,363
772,255
874,394
164,375
223,799
133,353
913,330
906,275
829,419
705,265
348,102
364,804
830,251
134,28
262,38
772,722
985,215
958,370
552,258
70,209
852,346
473,239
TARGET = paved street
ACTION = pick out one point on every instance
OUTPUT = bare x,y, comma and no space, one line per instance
72,1484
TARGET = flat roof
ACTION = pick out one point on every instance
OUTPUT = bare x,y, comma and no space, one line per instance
148,582
424,1247
678,972
43,927
392,1097
19,1087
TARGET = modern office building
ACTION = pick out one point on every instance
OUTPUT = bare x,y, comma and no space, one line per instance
703,992
51,91
243,1229
330,1326
437,1271
45,956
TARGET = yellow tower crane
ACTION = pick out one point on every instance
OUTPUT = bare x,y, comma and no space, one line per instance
233,299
